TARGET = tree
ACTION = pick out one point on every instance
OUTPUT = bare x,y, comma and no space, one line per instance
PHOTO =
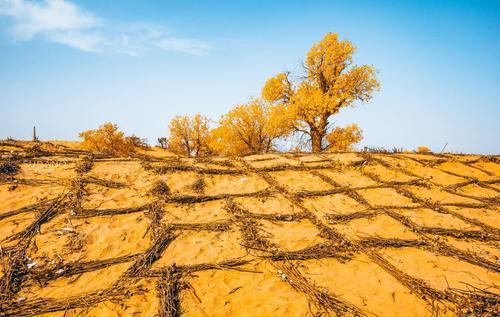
137,141
108,139
189,135
343,139
250,128
331,83
163,142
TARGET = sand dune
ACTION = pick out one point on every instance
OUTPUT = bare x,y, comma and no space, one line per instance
369,234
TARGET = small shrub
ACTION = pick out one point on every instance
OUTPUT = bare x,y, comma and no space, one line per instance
160,189
137,141
199,186
344,139
163,143
85,165
423,150
9,167
108,139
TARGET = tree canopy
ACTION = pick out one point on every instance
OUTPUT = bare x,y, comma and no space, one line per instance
250,128
189,135
331,82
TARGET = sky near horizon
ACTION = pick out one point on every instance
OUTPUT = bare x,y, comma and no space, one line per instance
68,66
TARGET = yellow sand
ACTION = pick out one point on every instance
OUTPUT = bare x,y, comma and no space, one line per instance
292,236
256,288
366,285
442,271
382,226
297,181
233,293
196,247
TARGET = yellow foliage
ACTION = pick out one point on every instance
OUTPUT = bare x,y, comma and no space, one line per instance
423,149
277,88
107,139
250,128
189,135
343,139
332,83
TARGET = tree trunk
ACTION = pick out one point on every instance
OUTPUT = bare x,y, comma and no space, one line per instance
316,140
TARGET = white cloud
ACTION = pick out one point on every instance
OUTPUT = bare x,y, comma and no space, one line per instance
63,22
188,46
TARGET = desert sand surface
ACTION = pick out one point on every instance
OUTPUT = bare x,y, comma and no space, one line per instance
333,234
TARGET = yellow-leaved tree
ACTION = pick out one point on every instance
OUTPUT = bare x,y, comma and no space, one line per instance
343,139
108,139
250,128
332,82
189,135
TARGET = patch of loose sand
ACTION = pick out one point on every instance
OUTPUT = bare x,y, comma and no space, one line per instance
80,284
247,294
126,172
381,226
385,197
100,197
386,174
350,177
475,190
180,183
431,174
486,216
366,285
436,195
491,167
96,238
297,181
466,171
25,195
276,204
47,171
487,250
144,301
291,235
15,224
197,247
200,212
344,158
277,161
442,272
340,204
231,184
429,218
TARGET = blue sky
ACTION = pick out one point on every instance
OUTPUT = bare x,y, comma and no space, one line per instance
67,66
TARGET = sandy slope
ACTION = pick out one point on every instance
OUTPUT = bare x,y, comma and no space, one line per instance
265,235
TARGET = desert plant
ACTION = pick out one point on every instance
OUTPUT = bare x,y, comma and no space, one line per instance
107,139
423,149
250,128
163,142
343,139
189,135
160,189
331,83
137,141
9,167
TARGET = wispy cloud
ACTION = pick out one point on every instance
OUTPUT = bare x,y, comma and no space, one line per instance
63,22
